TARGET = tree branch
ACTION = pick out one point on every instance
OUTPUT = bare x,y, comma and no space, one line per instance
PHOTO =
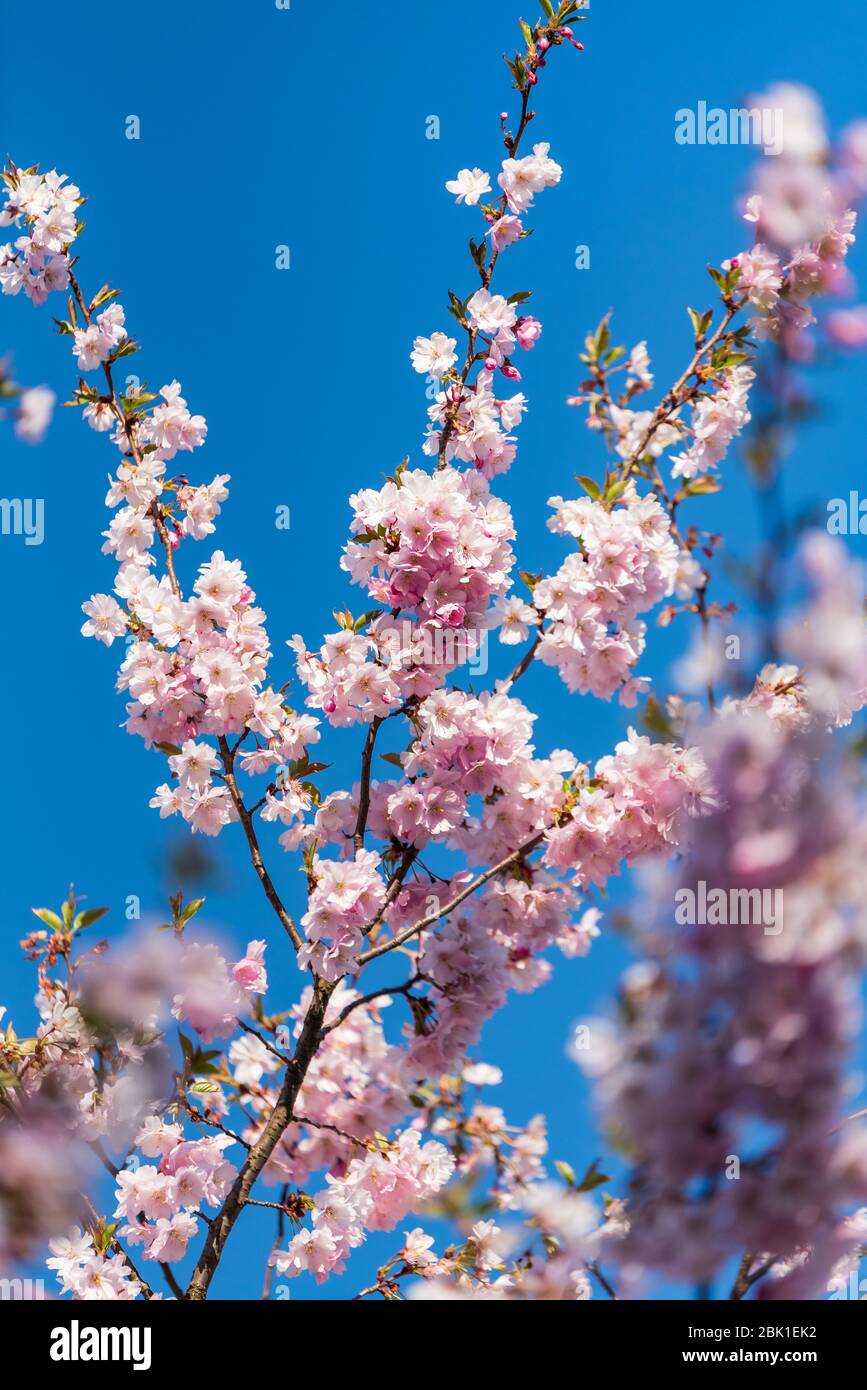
470,888
246,820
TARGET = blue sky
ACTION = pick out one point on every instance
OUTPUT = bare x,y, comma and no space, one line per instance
262,127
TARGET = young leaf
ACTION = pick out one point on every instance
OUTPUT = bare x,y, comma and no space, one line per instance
591,488
92,914
50,918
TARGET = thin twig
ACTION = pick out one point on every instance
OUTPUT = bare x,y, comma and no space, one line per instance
246,820
456,901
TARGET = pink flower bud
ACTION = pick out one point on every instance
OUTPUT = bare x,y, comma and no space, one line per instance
527,331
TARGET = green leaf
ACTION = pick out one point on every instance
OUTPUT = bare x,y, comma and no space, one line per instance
127,348
191,909
700,322
393,758
104,1235
313,792
593,1178
85,919
655,719
601,339
302,767
698,487
365,619
50,918
566,1171
103,296
591,488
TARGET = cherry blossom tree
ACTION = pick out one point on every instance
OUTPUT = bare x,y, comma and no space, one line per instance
200,1093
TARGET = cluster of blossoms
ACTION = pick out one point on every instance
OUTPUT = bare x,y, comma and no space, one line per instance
503,1160
802,212
500,1168
88,1273
801,208
804,228
480,421
345,899
315,1091
356,1086
47,207
435,549
468,421
211,995
637,803
826,637
95,344
433,545
375,1193
195,667
465,746
511,1264
626,562
468,969
741,1020
717,419
158,1202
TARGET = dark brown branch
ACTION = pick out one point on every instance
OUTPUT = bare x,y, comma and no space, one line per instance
370,999
456,901
364,792
246,820
745,1280
280,1117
